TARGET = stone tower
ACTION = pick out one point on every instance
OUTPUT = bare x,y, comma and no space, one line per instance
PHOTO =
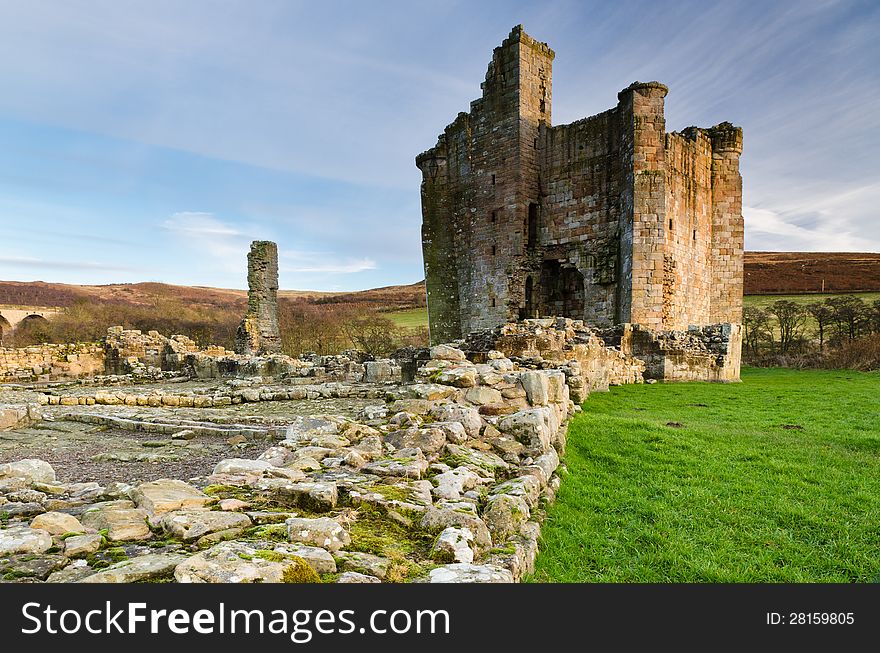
610,219
258,332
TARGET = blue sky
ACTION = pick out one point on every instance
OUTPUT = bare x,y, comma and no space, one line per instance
152,141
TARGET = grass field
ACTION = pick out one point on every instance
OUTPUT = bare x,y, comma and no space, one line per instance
763,301
410,318
776,479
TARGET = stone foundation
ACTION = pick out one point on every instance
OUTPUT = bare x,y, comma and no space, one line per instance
457,465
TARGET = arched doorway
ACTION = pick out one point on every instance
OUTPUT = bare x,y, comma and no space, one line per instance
562,290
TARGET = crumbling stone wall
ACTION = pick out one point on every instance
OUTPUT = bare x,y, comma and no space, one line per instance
131,351
702,353
609,219
258,332
588,362
50,362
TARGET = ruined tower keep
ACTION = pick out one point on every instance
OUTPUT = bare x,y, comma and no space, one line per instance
610,219
258,332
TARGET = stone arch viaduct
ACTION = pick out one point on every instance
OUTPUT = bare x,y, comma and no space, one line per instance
11,316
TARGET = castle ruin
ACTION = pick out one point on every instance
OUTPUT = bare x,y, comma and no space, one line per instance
609,220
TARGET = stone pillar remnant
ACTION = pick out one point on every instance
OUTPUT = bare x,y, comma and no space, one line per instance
258,332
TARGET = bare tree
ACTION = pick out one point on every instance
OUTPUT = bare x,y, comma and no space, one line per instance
756,328
824,317
850,315
790,318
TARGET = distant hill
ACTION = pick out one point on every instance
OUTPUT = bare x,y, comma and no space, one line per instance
766,273
793,273
40,293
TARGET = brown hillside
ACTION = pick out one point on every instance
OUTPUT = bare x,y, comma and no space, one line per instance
40,293
768,273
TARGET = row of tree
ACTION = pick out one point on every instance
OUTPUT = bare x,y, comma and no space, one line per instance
785,326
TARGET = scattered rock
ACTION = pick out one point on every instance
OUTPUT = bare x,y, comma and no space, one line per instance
355,577
319,559
429,440
165,495
447,353
452,484
453,545
58,523
121,524
505,514
33,470
79,546
322,532
365,563
233,505
440,517
146,567
23,539
237,562
319,497
189,525
241,466
469,573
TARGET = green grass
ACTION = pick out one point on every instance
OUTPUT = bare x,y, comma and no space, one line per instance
731,495
410,318
764,301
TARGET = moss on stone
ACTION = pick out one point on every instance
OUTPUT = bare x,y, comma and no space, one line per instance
273,532
227,491
271,556
299,571
393,492
376,533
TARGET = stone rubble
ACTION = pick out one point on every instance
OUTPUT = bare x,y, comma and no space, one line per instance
441,480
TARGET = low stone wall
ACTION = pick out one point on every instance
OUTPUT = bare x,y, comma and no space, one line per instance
588,362
51,362
706,353
595,359
347,368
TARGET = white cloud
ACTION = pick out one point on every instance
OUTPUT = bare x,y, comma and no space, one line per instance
205,233
769,230
30,263
322,263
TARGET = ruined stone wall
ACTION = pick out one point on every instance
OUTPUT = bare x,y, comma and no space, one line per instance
478,183
50,362
589,363
258,332
130,350
687,264
702,353
580,214
608,219
727,224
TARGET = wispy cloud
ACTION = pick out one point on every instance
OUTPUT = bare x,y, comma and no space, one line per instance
204,233
22,262
322,262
